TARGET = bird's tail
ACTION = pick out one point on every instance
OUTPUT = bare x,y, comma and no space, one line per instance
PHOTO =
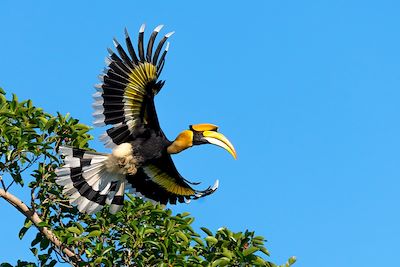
87,182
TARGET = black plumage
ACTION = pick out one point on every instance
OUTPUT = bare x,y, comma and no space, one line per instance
125,101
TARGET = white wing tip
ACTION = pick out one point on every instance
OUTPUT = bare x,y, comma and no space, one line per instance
115,42
97,95
104,137
215,186
158,28
142,28
66,150
108,61
109,50
107,140
169,34
99,122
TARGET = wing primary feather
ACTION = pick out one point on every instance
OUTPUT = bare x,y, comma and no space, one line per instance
163,56
151,42
140,43
118,138
118,61
107,87
142,27
159,47
113,56
119,75
98,87
122,53
160,68
208,191
192,183
108,61
130,47
118,66
115,81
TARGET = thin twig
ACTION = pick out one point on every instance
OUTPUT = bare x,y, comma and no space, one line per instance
8,187
65,206
59,254
2,183
36,220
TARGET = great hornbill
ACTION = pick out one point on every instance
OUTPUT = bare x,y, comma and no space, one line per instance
140,159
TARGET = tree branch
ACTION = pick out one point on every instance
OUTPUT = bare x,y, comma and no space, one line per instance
34,217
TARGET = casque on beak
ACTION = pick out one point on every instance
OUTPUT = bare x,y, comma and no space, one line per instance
219,139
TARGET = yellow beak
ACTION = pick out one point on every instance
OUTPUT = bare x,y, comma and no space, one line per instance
220,140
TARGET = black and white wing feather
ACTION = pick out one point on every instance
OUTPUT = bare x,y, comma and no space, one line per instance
125,98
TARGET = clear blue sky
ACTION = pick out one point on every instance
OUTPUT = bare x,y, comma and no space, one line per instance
307,91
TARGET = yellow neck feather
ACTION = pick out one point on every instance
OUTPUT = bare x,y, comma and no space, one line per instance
183,141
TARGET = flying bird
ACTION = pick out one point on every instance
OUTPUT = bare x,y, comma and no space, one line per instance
141,153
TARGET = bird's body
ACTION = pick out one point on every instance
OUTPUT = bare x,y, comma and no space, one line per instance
141,153
150,145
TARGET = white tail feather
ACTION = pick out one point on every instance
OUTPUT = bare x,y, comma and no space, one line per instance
90,185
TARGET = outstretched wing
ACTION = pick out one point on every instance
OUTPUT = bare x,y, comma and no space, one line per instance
160,181
125,98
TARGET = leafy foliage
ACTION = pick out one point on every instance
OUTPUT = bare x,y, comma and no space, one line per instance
142,234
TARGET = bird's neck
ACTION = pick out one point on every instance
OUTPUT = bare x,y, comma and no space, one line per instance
183,140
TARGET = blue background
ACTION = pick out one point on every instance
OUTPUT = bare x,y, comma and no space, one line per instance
307,91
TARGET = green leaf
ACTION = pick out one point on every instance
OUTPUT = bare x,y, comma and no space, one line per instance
44,243
78,224
211,240
182,236
37,239
205,230
124,238
149,231
257,242
107,250
227,253
292,260
18,178
94,233
259,262
74,230
224,261
259,238
98,260
34,251
198,241
22,232
250,250
185,214
28,223
265,251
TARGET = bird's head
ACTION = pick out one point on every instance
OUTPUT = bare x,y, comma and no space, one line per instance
199,134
